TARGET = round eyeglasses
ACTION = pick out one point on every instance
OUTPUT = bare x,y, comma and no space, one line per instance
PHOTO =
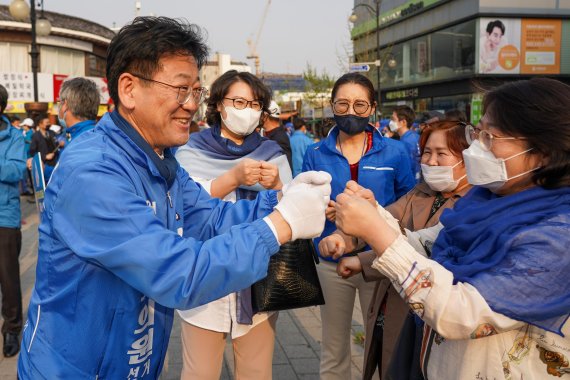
485,137
198,94
341,107
241,103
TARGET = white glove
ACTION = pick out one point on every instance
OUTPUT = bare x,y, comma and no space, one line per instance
392,222
314,179
303,208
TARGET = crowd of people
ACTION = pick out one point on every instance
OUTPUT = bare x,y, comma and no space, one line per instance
454,237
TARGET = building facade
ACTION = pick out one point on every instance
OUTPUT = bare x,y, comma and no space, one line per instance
443,53
74,47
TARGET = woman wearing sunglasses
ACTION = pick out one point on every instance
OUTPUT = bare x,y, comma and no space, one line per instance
495,295
353,150
231,161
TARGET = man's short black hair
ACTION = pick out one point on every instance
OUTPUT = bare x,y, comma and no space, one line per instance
495,24
3,99
139,46
298,123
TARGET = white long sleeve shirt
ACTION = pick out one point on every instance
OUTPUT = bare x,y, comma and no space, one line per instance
220,315
463,337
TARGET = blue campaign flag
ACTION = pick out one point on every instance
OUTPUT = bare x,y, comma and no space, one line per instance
38,181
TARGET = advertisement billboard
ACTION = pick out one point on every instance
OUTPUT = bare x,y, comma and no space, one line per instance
540,46
499,46
519,46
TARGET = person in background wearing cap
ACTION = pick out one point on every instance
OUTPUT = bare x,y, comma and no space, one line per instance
78,105
429,117
401,122
299,144
12,169
44,143
273,129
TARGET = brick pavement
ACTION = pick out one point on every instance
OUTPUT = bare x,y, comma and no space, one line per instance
297,344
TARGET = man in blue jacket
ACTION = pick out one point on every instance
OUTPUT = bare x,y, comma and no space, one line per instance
12,169
126,235
401,122
79,101
299,144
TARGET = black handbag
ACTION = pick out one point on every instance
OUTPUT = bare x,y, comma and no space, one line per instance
292,281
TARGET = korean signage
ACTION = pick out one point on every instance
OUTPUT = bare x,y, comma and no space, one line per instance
20,86
515,46
403,94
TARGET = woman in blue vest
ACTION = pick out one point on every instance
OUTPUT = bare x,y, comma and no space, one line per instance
353,150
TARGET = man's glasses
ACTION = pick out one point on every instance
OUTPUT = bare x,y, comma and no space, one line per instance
341,107
485,137
198,95
241,103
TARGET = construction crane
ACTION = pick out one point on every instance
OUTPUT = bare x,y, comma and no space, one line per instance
253,44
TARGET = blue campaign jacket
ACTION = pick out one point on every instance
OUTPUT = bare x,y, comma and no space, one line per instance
299,144
12,169
78,129
112,265
384,169
411,140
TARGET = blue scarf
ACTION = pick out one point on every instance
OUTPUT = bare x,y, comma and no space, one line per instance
212,155
208,155
167,167
513,250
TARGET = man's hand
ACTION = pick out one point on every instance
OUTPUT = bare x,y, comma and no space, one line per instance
303,208
269,176
348,267
320,180
50,156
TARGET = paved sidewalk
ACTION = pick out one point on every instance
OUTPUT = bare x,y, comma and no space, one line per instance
297,345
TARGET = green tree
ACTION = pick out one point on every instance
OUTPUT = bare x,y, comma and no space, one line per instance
317,86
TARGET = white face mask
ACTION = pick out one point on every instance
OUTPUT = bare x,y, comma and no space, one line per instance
484,169
440,178
241,122
393,126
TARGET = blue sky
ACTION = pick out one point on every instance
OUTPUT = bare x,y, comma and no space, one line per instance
295,31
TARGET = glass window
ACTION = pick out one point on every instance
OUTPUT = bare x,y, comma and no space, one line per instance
59,60
96,66
443,54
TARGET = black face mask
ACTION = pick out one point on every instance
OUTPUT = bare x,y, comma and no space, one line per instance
351,124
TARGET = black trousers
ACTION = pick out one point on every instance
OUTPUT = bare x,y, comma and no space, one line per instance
10,246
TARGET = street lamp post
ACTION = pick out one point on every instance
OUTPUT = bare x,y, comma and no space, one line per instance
374,11
19,9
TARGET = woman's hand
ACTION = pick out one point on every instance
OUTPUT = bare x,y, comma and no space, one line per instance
348,267
330,212
333,245
269,176
247,172
357,217
353,188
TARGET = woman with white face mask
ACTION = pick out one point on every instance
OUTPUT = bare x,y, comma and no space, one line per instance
232,161
444,183
495,289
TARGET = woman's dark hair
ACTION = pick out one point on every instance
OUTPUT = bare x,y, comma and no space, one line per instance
454,133
538,110
138,47
220,89
495,24
356,79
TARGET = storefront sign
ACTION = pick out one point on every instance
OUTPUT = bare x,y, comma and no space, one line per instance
403,94
20,86
405,10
